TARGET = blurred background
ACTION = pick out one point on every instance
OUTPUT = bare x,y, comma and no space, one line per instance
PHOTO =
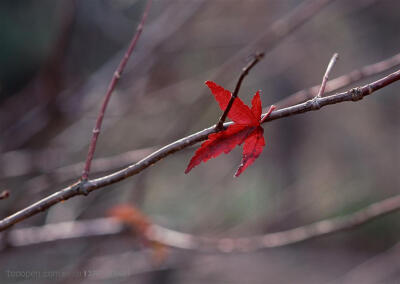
56,60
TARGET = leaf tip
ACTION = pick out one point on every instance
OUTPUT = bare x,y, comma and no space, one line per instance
192,164
188,169
210,84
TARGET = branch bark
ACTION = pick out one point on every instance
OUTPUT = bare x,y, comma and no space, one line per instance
81,188
272,240
245,71
175,239
4,194
326,75
116,76
342,81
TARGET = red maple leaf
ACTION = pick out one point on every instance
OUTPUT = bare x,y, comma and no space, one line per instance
246,129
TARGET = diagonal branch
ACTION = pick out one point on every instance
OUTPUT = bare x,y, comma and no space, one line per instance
278,239
245,72
342,81
116,76
278,31
80,188
4,194
104,164
175,239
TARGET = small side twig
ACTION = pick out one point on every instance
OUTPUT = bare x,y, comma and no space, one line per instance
354,94
116,76
245,71
332,62
4,194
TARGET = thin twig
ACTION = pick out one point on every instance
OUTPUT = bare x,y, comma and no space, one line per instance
79,188
175,239
105,164
4,194
245,71
270,110
342,81
269,39
116,76
71,172
326,76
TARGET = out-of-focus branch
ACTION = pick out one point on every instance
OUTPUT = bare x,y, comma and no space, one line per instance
278,31
342,81
4,194
278,239
80,188
273,35
63,231
99,165
104,164
116,76
175,239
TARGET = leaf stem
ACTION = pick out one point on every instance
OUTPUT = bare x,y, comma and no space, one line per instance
271,109
245,71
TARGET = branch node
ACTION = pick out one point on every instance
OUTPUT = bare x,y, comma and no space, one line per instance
80,188
370,89
83,191
357,94
314,104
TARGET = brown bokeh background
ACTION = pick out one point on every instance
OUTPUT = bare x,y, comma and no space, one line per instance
57,58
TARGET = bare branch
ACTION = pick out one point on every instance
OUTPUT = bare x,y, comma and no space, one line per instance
116,76
175,239
63,230
245,72
277,32
326,76
80,188
105,164
342,81
4,194
278,239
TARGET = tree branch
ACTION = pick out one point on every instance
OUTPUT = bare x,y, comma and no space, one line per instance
245,71
272,240
277,31
175,239
4,194
326,76
342,81
116,76
80,188
103,164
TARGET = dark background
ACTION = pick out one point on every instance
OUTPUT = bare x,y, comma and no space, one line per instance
56,59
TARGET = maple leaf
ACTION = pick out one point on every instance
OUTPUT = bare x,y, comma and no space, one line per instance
246,129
